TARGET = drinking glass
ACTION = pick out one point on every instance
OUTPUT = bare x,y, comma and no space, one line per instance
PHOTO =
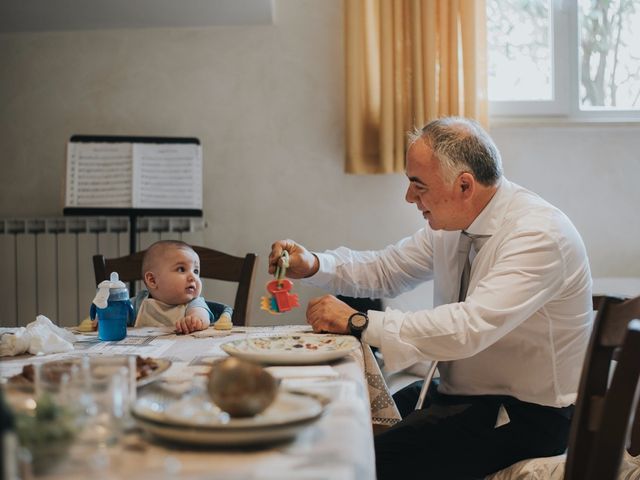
102,392
46,424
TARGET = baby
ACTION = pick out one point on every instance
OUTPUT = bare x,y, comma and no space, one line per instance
171,273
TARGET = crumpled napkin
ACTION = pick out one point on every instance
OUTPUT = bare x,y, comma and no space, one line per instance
38,338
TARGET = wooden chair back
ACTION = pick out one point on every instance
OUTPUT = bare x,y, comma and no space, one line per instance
607,402
213,264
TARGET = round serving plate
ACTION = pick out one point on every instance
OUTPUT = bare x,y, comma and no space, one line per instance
195,420
148,369
294,349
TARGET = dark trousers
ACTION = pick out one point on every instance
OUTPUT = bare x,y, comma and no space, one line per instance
454,437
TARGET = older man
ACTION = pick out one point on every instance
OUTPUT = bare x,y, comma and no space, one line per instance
512,316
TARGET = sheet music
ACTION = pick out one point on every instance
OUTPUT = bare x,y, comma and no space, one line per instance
134,175
167,176
99,175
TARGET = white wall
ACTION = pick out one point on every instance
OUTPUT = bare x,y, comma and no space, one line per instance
267,103
591,173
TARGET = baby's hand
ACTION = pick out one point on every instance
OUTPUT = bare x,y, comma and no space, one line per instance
190,323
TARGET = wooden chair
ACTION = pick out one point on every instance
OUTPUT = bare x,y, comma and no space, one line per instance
606,401
213,264
606,405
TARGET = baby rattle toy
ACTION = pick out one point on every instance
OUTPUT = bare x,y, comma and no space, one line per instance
280,300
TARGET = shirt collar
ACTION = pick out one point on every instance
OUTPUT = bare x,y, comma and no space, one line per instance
490,218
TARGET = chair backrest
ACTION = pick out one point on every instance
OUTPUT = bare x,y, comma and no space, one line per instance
213,264
606,403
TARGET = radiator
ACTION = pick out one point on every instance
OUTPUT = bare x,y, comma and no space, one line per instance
46,265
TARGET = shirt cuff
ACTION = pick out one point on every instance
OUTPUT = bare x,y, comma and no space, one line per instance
326,270
373,333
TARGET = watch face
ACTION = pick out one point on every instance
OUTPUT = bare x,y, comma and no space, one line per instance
358,320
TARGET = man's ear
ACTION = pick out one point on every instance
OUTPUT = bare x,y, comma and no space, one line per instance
150,280
466,184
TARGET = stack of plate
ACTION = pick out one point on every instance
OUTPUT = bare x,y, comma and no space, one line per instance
194,419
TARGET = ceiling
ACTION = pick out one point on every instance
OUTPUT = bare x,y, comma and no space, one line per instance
53,15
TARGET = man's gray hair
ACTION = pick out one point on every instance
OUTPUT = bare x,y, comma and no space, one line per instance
461,144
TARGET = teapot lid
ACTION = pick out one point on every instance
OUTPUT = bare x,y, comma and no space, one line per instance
105,287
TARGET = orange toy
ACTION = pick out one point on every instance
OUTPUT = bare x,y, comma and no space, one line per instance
280,300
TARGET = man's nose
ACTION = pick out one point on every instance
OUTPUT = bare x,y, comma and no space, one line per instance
410,196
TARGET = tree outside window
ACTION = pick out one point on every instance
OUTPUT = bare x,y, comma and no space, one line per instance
579,54
609,56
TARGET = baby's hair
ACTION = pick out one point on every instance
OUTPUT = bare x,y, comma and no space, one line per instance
157,249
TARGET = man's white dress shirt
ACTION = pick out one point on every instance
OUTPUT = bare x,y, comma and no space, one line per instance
524,326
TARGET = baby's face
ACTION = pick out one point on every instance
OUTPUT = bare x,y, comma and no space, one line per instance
177,275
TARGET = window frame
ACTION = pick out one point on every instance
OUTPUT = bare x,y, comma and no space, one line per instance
565,102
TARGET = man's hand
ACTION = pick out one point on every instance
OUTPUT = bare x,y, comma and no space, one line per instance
190,323
328,314
302,263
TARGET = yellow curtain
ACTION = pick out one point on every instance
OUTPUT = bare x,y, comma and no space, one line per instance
409,62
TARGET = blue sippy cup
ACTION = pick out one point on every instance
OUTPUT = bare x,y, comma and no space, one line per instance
114,309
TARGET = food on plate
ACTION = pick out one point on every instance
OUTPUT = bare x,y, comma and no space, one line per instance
295,342
223,323
241,388
52,372
145,366
86,326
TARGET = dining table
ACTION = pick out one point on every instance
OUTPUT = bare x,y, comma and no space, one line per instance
338,444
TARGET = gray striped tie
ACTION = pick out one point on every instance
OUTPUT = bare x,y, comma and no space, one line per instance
464,248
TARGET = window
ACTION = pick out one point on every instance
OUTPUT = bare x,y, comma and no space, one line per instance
572,58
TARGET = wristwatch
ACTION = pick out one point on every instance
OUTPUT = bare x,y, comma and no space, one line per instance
357,323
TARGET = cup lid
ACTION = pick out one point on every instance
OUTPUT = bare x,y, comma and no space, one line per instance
113,282
106,287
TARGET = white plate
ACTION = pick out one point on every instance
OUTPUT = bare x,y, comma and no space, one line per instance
195,420
294,349
100,365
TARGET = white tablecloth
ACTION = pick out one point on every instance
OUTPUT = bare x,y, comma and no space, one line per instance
338,446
